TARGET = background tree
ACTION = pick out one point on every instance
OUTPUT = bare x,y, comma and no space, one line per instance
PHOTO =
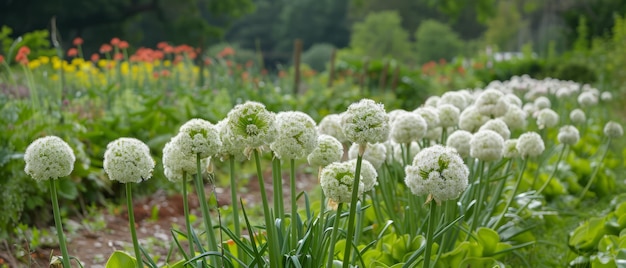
381,35
435,40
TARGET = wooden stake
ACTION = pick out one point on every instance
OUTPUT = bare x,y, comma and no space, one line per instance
297,52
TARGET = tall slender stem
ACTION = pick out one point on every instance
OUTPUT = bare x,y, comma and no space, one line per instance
186,212
595,171
269,226
294,206
131,223
208,226
510,201
333,236
556,167
235,202
57,222
430,233
353,201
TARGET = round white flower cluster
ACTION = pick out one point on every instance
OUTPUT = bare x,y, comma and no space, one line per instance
328,150
491,103
547,118
587,98
198,137
49,158
432,101
230,147
454,98
498,126
374,153
487,145
365,122
460,141
336,181
408,127
613,130
175,162
471,120
331,125
542,102
530,144
448,115
438,171
431,116
510,149
515,118
577,116
251,125
297,135
128,160
368,174
606,96
568,135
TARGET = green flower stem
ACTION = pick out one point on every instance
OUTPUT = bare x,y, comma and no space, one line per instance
595,171
510,201
235,203
187,220
333,236
208,226
294,206
131,223
481,195
359,225
353,201
58,223
430,233
277,179
499,190
273,248
556,167
449,237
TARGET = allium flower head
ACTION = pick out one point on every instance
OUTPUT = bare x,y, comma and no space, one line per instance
510,149
438,171
542,102
448,115
491,103
587,98
606,96
297,135
331,125
198,136
547,118
487,145
230,147
471,120
613,130
432,101
365,122
577,116
337,179
128,160
460,141
252,125
568,135
430,115
328,150
393,115
368,174
530,144
374,153
408,127
175,162
513,100
515,118
455,98
49,158
498,126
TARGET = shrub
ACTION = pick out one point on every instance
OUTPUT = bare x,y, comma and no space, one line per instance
435,41
381,35
317,56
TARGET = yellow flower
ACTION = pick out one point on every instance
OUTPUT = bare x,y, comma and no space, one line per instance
34,64
44,60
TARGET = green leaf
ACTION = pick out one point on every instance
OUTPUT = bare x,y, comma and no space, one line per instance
67,189
121,259
489,239
473,262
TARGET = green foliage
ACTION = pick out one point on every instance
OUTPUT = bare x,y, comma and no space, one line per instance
318,56
121,259
37,41
503,28
381,35
435,41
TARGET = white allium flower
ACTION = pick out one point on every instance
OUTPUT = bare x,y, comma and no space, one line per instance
198,136
471,120
230,147
530,109
568,135
374,153
432,101
365,122
491,103
337,179
128,160
577,116
530,144
49,158
438,171
331,125
368,174
542,102
408,127
448,115
434,134
613,130
515,118
460,141
487,145
547,118
510,149
175,162
498,126
606,96
251,125
455,98
328,150
393,115
587,98
297,135
514,100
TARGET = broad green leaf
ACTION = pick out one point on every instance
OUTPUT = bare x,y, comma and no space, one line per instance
121,259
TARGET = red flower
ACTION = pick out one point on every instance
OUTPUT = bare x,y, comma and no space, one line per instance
162,45
123,45
22,55
115,41
105,48
118,56
77,41
227,51
72,52
95,57
1,59
208,61
165,72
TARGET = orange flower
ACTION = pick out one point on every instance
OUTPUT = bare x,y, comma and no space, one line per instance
245,76
165,72
227,51
118,56
72,52
123,45
115,41
105,48
1,59
95,57
22,55
77,41
155,74
162,45
249,63
208,61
